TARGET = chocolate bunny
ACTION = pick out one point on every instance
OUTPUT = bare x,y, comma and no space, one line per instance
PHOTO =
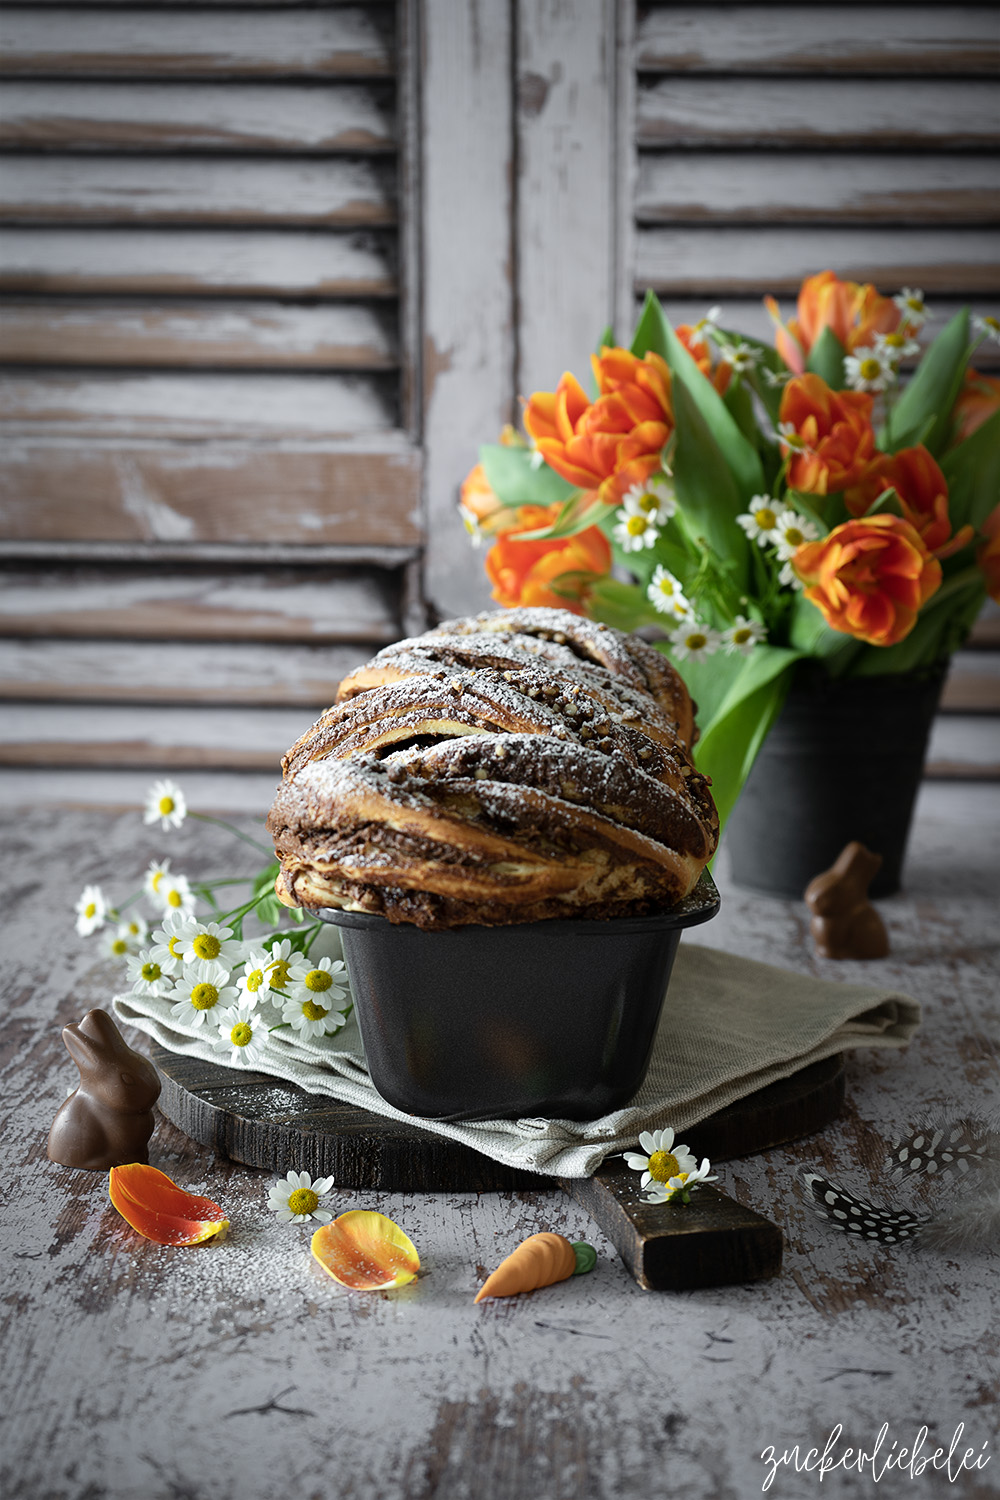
107,1121
844,923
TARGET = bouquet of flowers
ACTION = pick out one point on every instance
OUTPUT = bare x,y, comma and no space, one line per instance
760,505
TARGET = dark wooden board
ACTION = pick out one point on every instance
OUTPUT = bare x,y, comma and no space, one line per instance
263,1122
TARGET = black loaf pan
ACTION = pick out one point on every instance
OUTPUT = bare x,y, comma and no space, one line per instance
553,1019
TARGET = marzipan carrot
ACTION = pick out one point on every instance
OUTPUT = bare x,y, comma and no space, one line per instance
541,1260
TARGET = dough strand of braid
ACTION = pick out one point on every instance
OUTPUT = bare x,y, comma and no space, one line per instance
515,766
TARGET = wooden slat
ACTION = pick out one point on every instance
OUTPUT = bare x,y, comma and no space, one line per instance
248,739
210,492
727,261
985,634
346,41
769,39
198,604
195,404
294,262
888,112
174,672
964,747
346,336
212,792
197,117
342,192
678,188
973,684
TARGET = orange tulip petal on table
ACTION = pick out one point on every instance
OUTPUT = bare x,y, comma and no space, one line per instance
159,1210
366,1251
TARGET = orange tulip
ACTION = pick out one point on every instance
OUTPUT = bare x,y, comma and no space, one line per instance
159,1210
720,373
922,491
828,435
989,554
529,573
855,312
978,399
614,442
869,577
483,512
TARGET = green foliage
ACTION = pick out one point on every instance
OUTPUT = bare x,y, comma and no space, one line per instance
706,489
269,909
515,480
923,411
826,359
972,470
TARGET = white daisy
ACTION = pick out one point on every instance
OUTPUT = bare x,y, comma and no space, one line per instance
740,357
775,378
791,532
742,635
296,1198
636,531
655,500
310,1017
761,520
792,438
679,1187
135,930
207,942
663,1159
116,945
91,910
708,323
869,369
911,304
167,942
989,326
471,523
177,895
154,877
324,981
695,642
165,804
666,594
280,957
254,982
537,459
243,1033
896,346
789,578
146,976
196,995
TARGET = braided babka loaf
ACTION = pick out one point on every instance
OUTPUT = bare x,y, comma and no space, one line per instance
510,767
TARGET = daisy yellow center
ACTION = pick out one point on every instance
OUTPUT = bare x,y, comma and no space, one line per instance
279,973
176,947
317,980
870,368
793,536
204,996
636,525
303,1201
695,641
993,323
157,878
894,340
165,806
151,973
119,946
915,304
667,586
206,946
662,1166
254,980
741,636
90,909
241,1034
765,518
649,502
174,898
314,1012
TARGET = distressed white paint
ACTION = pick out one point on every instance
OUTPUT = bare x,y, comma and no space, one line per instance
149,735
854,39
297,262
205,190
342,41
197,116
240,1370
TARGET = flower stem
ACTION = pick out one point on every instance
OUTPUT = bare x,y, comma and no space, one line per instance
236,832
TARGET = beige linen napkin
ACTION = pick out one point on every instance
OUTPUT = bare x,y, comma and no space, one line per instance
729,1026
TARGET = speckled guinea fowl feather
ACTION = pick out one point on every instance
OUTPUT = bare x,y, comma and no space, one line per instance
857,1216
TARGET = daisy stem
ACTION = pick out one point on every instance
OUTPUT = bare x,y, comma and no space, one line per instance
310,935
238,912
221,823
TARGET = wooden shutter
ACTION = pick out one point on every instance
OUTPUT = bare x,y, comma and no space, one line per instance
769,142
210,479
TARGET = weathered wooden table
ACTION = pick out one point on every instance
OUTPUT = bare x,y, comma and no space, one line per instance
137,1372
